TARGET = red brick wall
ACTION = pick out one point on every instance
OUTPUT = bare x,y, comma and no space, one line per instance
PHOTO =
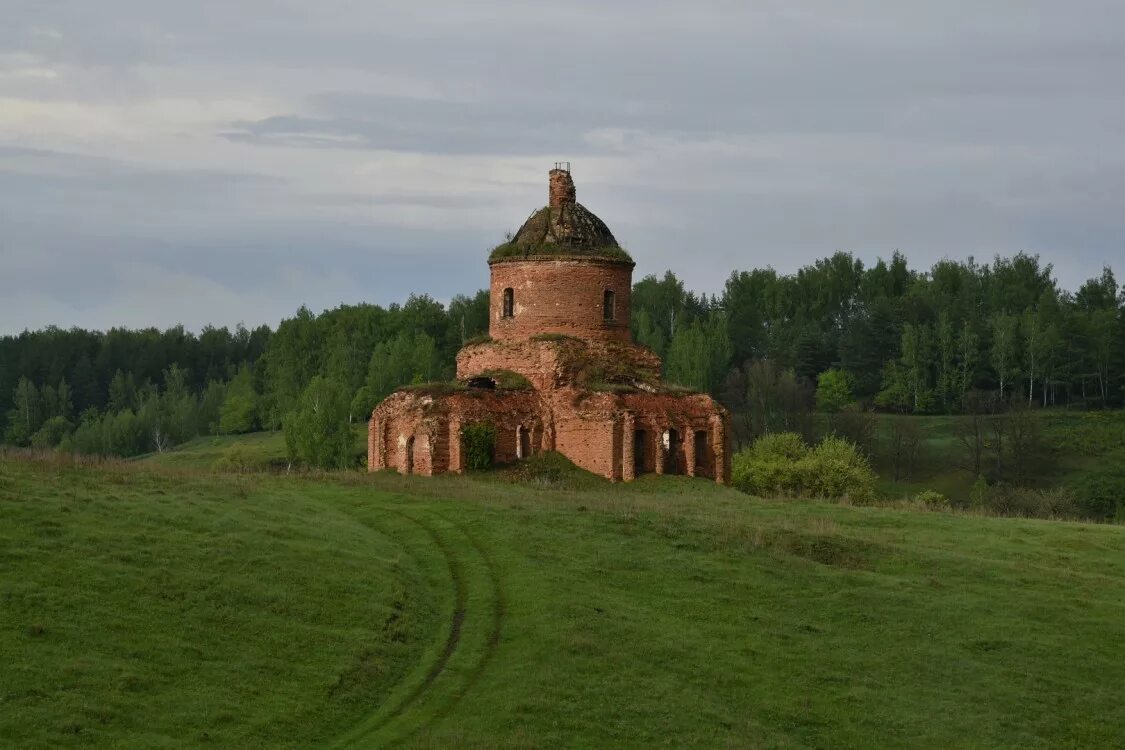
594,430
589,441
434,423
560,296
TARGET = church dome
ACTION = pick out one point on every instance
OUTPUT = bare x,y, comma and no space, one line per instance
562,229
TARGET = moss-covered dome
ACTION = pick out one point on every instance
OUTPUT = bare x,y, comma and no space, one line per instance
563,229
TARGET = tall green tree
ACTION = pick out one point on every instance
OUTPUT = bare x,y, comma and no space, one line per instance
1005,348
26,414
948,385
239,412
317,431
834,391
917,363
968,356
699,354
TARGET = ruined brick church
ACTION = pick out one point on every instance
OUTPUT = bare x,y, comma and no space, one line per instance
558,370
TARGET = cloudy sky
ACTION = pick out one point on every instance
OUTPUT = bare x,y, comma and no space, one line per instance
217,162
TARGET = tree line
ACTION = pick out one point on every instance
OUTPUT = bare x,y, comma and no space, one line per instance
907,341
883,337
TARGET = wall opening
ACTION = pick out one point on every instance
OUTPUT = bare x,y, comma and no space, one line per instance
674,457
609,305
703,463
408,463
640,452
523,442
482,382
509,303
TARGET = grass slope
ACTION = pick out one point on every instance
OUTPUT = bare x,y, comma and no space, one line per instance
145,607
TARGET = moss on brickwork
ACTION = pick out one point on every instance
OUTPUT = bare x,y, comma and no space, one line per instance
554,337
505,380
437,388
613,366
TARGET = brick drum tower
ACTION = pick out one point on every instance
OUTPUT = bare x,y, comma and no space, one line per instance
559,369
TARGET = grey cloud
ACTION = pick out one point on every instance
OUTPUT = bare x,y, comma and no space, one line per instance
708,135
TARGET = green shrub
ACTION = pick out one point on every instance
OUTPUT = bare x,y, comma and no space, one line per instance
1100,492
780,445
781,464
1026,502
478,441
839,470
234,458
932,500
51,433
769,465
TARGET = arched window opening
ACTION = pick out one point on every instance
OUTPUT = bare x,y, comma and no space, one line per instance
609,303
509,303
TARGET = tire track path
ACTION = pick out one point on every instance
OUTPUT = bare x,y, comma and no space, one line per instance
474,613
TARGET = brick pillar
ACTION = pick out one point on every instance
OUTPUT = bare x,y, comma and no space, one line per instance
689,451
379,427
456,457
628,448
616,449
658,450
561,189
719,443
372,431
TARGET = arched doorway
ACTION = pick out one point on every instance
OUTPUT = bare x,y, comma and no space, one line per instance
640,452
703,465
674,457
523,442
408,461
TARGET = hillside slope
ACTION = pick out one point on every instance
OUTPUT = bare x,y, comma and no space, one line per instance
149,607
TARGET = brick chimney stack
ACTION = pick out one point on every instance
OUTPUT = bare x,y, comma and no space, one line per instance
561,190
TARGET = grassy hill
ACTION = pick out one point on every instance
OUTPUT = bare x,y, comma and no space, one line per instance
153,604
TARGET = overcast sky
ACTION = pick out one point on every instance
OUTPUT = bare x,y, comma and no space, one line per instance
216,162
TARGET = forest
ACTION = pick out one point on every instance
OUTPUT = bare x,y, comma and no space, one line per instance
834,338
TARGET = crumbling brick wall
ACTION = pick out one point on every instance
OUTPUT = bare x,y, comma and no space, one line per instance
421,434
550,364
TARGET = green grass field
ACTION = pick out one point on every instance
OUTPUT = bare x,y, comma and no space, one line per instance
159,604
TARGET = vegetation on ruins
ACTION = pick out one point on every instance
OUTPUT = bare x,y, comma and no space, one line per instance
477,441
589,237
